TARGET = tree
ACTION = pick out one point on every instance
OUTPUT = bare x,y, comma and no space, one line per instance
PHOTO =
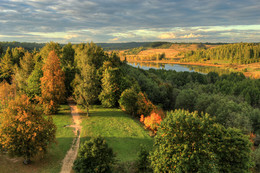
128,101
6,66
110,93
94,156
87,83
188,142
34,83
52,84
7,93
186,100
67,65
24,131
23,72
51,46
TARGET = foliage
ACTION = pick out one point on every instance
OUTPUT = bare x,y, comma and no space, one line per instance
110,93
94,156
206,147
48,47
6,66
186,99
128,101
67,64
143,163
152,122
52,84
144,105
256,158
34,83
89,59
241,53
7,93
24,131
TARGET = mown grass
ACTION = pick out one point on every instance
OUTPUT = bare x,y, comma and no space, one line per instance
52,161
122,133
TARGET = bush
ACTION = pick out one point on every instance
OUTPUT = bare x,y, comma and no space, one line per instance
256,158
143,163
151,122
94,156
128,101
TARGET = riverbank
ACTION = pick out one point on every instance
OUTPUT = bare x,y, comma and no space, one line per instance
249,70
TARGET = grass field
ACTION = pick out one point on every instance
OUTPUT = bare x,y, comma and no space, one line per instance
122,133
51,162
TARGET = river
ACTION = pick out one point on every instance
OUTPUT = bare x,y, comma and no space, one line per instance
180,67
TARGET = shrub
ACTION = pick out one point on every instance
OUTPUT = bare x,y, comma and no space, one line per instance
94,156
151,122
143,163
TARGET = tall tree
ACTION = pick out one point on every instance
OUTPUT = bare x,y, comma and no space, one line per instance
52,84
67,64
24,131
110,93
51,46
89,59
6,66
33,82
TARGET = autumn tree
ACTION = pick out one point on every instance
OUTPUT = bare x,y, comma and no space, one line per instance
7,93
52,84
24,131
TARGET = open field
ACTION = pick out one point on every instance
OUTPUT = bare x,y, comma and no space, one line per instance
50,162
122,133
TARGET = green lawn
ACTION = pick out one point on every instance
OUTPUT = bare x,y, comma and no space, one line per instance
51,162
122,133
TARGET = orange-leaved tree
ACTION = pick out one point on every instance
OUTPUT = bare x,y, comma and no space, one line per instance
52,84
24,131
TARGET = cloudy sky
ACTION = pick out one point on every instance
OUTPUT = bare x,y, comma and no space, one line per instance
130,20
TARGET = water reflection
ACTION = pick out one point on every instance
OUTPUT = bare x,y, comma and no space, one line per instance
180,67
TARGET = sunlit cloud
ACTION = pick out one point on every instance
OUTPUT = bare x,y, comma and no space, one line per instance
129,20
167,36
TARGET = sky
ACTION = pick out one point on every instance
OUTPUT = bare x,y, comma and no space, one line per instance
112,21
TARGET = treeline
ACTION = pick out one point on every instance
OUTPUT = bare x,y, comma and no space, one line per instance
26,45
240,53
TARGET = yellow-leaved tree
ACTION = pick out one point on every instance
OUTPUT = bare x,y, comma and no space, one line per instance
24,131
52,84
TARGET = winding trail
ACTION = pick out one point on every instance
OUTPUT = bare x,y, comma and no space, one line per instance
71,155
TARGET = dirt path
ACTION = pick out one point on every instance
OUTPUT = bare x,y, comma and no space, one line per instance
71,155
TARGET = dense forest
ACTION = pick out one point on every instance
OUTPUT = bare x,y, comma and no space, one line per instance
240,53
223,110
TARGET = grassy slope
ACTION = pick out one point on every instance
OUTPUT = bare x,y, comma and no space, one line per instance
51,162
122,133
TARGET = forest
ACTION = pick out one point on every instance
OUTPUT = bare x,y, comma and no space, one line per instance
240,53
198,122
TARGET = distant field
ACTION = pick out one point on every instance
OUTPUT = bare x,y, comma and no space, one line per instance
123,134
51,162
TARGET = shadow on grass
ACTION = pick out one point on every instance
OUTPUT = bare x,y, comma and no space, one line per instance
126,149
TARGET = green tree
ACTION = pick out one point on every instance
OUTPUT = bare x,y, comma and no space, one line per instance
87,83
128,101
110,93
94,156
34,83
188,142
51,46
24,131
186,99
67,65
23,72
6,66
